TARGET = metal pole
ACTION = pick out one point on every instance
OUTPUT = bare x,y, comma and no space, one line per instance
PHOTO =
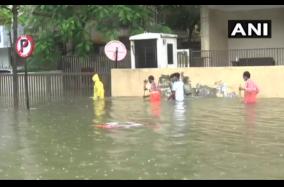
116,52
26,87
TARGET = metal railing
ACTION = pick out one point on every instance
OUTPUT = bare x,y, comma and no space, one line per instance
48,87
234,57
73,79
99,63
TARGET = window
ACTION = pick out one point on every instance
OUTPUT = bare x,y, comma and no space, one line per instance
170,53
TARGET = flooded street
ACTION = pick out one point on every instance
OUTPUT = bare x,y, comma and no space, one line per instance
202,138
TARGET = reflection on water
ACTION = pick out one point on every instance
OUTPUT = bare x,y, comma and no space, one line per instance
99,109
156,109
180,111
155,117
200,138
250,115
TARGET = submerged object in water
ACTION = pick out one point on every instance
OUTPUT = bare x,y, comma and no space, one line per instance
114,125
205,91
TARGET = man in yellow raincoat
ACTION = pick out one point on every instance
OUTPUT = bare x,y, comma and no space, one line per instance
99,92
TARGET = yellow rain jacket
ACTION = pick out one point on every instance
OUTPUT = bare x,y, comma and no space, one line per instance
99,92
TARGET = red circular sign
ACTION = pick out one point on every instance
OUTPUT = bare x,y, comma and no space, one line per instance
25,46
113,46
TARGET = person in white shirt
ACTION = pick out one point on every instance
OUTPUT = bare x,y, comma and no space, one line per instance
177,87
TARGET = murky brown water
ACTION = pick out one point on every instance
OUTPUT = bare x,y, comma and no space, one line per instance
199,139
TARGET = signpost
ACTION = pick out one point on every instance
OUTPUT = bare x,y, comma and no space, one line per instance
25,47
115,51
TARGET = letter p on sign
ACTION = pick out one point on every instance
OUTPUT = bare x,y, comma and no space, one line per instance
25,46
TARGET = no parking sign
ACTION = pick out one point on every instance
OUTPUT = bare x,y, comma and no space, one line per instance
25,46
115,51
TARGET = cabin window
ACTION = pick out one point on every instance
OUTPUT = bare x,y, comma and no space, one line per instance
170,53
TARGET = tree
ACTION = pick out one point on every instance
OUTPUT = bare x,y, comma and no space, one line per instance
181,17
66,29
5,15
9,15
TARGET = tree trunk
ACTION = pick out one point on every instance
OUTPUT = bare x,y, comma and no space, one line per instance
189,36
14,59
10,48
191,29
69,48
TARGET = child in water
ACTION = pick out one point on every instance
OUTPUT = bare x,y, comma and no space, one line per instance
250,89
153,88
177,87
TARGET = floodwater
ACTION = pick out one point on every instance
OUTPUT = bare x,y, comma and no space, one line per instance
202,138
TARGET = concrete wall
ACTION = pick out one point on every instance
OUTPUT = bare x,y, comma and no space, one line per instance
204,32
128,82
218,30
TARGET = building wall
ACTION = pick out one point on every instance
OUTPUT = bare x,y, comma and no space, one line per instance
275,15
218,30
128,82
4,35
163,53
218,39
4,58
214,29
204,25
1,36
132,55
214,35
